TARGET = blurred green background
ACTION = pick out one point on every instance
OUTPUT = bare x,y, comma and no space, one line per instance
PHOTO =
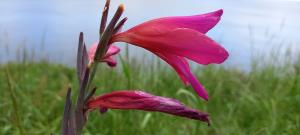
264,100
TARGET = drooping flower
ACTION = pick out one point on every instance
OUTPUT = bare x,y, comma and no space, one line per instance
176,39
108,57
139,100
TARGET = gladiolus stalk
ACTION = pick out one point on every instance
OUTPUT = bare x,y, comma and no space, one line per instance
174,39
74,122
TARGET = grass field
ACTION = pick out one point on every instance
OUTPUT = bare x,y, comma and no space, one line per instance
263,101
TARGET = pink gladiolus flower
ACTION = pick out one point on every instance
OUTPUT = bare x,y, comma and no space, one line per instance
176,39
109,56
140,100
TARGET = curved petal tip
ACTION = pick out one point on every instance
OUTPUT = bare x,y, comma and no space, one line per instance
224,54
219,12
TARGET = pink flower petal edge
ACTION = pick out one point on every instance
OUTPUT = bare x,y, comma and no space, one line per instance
110,61
139,100
183,42
182,68
108,58
92,51
201,23
179,64
112,50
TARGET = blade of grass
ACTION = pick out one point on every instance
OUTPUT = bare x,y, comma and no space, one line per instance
126,71
13,98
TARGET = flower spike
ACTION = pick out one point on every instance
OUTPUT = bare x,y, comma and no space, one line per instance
174,39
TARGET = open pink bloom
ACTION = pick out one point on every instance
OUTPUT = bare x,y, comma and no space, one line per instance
176,39
109,56
140,100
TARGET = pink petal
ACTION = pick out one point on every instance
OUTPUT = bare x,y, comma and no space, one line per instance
182,68
112,50
201,23
178,63
92,51
140,100
110,61
108,58
183,42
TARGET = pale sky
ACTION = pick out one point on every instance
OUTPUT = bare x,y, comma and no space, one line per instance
259,24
